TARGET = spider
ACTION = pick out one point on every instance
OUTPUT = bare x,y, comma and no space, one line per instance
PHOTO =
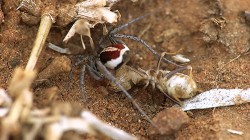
112,57
113,36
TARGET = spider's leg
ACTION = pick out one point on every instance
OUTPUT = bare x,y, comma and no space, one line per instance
171,72
114,40
120,27
82,83
174,99
103,38
176,71
94,73
109,76
93,70
71,74
80,59
147,46
117,29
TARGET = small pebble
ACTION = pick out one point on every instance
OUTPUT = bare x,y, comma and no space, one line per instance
169,121
58,65
247,15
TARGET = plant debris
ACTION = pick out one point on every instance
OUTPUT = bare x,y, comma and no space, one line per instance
90,13
21,119
217,98
180,58
235,132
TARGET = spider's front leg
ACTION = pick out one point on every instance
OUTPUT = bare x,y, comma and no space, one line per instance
91,66
82,83
158,56
113,36
110,77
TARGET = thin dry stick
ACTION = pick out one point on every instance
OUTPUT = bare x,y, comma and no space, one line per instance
231,61
43,31
144,30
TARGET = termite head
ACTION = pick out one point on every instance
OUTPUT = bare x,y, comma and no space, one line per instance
113,57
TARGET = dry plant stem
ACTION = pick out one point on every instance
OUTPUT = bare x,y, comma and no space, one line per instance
43,31
19,90
55,130
106,129
237,57
144,30
31,135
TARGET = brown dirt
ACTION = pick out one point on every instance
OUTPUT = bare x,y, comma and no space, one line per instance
210,33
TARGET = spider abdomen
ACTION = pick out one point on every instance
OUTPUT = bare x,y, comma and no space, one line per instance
112,57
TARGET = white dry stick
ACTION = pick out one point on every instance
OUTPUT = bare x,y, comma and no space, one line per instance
5,102
108,130
54,131
4,98
59,49
180,58
234,132
217,98
4,111
88,123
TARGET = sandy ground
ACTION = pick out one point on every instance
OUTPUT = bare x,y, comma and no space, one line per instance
210,33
